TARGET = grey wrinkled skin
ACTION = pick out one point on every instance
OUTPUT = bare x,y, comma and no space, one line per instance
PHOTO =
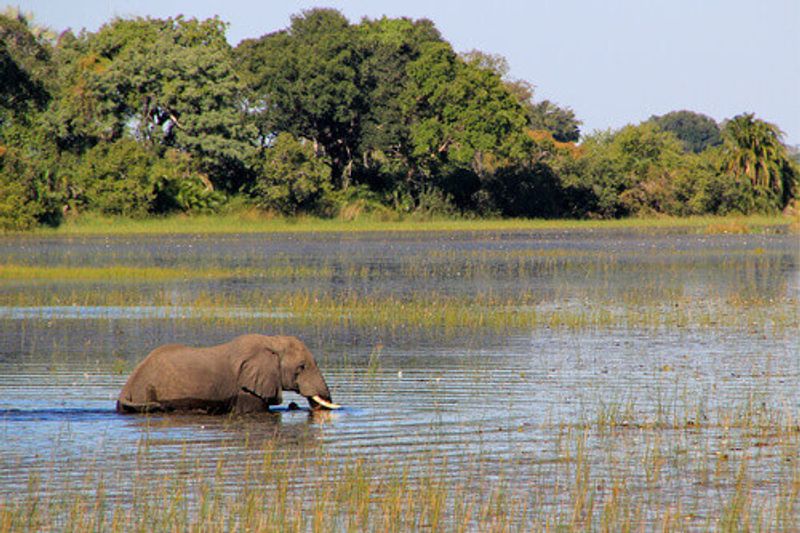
245,375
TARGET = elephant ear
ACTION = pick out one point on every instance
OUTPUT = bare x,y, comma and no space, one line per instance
260,375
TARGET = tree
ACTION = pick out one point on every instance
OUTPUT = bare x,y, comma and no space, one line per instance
114,178
24,66
167,83
633,171
29,186
462,115
752,150
560,122
305,80
388,46
697,132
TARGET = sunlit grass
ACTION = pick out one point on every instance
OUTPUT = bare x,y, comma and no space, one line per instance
254,222
438,314
149,274
545,288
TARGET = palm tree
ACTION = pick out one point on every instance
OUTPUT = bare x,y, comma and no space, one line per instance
753,150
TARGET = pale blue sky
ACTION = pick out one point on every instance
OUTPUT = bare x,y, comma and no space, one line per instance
614,62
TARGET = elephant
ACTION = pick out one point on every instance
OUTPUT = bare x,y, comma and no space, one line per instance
245,375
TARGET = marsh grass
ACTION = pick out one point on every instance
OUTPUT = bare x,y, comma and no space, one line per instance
145,274
435,314
684,463
512,290
634,477
254,222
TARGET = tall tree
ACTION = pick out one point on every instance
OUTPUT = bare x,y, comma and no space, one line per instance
305,81
168,83
29,190
24,66
388,46
463,114
753,150
696,131
545,115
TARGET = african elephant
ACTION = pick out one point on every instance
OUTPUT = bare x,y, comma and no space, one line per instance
245,375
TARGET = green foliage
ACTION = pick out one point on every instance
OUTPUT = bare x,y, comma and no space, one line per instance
115,179
706,190
305,79
380,118
633,171
697,132
30,191
179,187
388,46
753,152
19,208
559,121
292,178
462,116
24,67
168,83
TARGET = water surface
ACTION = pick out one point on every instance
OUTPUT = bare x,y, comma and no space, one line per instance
721,337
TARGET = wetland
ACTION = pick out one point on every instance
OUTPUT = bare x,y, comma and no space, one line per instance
537,379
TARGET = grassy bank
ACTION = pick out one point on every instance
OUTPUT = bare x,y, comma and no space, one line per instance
255,222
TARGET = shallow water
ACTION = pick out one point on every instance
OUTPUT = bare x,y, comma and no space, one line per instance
471,404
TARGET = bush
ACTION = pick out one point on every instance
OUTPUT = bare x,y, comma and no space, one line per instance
531,192
291,178
633,171
180,188
115,179
28,192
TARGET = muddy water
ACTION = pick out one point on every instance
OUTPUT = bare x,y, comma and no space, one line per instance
471,403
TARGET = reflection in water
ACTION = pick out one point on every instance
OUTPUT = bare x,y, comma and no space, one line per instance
470,404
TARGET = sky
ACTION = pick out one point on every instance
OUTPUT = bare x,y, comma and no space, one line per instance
614,62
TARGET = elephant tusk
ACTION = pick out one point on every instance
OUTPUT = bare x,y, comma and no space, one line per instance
326,404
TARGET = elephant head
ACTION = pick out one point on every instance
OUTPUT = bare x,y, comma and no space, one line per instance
296,370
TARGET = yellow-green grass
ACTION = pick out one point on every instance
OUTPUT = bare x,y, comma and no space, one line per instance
255,222
438,314
149,274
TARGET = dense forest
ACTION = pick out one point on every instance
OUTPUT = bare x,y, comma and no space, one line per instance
332,118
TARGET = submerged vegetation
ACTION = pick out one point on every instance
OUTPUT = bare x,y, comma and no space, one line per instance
380,118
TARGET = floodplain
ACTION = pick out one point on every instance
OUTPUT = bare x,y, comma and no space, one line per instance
601,378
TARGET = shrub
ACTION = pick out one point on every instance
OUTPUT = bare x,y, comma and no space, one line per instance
115,179
291,178
181,188
28,192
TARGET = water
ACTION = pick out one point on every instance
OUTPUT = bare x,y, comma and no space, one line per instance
722,338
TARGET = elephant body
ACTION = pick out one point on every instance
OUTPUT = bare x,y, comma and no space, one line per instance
245,375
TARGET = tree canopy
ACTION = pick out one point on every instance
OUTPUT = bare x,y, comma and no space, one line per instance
696,131
149,115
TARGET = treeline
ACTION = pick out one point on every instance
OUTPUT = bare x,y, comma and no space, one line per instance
150,116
